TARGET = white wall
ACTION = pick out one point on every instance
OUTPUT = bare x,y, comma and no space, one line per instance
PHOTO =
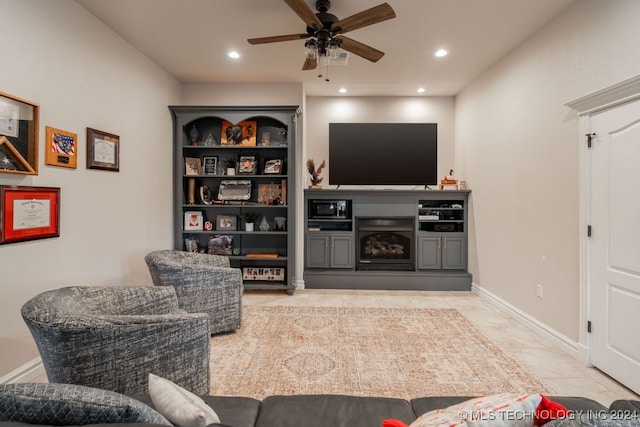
517,147
321,111
57,55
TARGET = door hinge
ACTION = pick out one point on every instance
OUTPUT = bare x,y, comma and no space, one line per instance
590,137
588,231
588,326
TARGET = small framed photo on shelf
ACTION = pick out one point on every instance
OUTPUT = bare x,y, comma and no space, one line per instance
190,244
210,165
103,150
226,222
193,221
272,167
192,166
247,164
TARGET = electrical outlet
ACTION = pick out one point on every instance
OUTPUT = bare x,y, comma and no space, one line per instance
539,290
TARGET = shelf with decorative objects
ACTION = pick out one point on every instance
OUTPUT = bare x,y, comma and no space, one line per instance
233,194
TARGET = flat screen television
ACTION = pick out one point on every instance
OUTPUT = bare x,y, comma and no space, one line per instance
383,153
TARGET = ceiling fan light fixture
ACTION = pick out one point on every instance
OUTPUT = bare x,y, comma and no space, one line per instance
333,48
311,49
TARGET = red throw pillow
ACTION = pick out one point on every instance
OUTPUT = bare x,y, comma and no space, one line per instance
549,410
393,423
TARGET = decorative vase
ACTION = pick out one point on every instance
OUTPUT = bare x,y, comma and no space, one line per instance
248,226
231,171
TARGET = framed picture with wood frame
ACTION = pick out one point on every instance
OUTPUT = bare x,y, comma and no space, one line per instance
19,126
29,213
103,150
61,148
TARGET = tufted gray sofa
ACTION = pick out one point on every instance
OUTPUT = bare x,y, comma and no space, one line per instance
204,283
113,337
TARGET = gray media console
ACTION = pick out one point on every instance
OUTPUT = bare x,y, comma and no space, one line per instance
386,239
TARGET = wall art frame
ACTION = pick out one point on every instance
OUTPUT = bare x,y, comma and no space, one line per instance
61,148
19,127
103,150
29,213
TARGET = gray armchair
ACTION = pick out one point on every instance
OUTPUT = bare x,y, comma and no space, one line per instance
204,283
113,337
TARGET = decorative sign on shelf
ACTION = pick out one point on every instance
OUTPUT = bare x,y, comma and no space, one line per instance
270,274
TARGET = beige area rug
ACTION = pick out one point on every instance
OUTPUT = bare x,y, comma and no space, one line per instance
404,353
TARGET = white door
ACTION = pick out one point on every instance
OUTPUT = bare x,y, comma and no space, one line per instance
614,246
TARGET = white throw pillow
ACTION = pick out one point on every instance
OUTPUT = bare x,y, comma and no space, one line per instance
507,409
178,405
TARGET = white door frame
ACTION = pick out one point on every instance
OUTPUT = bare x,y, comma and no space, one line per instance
586,106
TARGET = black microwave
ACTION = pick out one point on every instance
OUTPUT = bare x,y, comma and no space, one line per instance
320,208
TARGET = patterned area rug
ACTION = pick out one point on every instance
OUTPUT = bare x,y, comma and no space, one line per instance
392,352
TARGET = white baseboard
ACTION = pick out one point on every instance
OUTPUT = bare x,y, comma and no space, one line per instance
543,330
32,371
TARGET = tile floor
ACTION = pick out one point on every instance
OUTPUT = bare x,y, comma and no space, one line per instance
556,368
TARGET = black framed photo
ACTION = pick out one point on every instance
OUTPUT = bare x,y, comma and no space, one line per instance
210,165
272,167
247,164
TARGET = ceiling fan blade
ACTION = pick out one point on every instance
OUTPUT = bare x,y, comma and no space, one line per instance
376,14
361,49
310,64
273,39
305,13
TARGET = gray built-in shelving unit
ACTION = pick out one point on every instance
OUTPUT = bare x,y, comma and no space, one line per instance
432,225
253,251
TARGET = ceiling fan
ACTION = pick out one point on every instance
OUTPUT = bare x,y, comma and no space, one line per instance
325,32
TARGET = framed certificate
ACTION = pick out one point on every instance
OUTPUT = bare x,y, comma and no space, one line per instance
103,150
29,213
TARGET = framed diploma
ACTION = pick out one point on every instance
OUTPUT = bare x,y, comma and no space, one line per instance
29,213
103,150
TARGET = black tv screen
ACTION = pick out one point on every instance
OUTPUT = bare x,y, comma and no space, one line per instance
383,153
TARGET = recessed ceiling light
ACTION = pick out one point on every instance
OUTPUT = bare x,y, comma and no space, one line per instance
420,90
441,52
343,90
233,54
